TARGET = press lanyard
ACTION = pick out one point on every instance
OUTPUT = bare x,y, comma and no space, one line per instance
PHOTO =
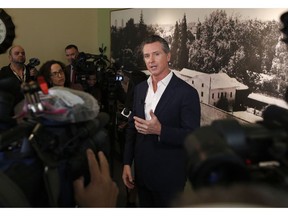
23,78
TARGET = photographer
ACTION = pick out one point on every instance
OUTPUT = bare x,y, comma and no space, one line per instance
71,53
131,76
72,71
92,86
17,73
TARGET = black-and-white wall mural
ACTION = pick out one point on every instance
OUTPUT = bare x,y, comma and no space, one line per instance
233,57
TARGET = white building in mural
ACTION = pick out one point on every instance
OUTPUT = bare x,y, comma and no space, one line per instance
211,87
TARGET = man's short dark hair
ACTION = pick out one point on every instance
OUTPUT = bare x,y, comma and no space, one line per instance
70,46
156,38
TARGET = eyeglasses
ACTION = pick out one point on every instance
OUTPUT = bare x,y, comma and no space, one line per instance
57,73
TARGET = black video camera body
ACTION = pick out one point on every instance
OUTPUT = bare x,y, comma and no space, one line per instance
236,153
87,63
40,159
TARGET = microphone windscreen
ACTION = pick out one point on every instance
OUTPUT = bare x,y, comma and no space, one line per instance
69,105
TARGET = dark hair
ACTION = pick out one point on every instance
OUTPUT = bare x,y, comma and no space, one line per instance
156,38
45,71
284,30
70,46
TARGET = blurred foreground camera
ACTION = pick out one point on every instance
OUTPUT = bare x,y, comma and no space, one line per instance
41,157
227,152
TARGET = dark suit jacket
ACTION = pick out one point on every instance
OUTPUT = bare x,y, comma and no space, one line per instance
12,87
160,162
7,73
68,73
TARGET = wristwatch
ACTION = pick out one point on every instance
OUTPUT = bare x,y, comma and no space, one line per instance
7,31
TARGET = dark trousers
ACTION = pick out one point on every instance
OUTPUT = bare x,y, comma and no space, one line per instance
148,198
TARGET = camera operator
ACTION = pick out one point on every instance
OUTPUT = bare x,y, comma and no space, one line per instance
17,72
72,52
130,77
92,86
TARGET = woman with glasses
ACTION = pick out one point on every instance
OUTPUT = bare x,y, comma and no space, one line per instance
53,72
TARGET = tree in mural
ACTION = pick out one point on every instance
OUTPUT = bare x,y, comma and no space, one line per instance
257,47
181,39
183,49
279,70
116,39
280,61
175,46
244,49
216,43
270,35
223,103
130,37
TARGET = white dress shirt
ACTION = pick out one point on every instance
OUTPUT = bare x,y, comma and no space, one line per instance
152,98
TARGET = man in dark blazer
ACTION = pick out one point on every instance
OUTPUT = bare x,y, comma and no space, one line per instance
71,72
165,110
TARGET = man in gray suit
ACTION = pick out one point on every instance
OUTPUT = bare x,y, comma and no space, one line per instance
165,110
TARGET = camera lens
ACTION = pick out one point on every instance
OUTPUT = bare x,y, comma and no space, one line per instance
119,77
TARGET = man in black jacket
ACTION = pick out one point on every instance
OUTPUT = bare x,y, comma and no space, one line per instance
17,73
165,109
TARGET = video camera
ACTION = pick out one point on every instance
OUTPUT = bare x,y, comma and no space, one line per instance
41,157
227,152
33,62
87,63
107,77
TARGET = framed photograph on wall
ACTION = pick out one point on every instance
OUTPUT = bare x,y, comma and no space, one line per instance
234,57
